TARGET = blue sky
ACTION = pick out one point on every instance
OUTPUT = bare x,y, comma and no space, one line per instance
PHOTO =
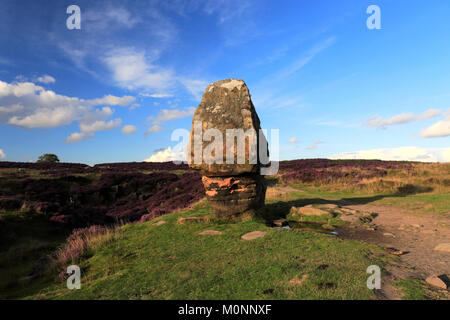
116,89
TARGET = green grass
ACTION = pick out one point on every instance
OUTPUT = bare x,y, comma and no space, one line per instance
412,289
173,261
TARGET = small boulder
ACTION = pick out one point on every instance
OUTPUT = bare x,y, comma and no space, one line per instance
388,234
437,281
253,235
210,233
308,211
395,251
444,247
279,222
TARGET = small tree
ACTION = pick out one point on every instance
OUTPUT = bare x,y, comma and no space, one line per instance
48,157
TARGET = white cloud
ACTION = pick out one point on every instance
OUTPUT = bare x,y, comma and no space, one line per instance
113,100
92,122
46,79
445,155
379,122
2,154
314,145
137,70
293,140
28,105
157,95
48,117
397,154
132,71
109,17
79,136
101,125
154,129
439,129
129,129
166,155
166,114
195,87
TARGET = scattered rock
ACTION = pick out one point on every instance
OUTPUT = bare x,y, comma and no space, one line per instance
237,187
395,251
210,233
253,235
159,223
437,281
388,234
279,222
348,210
444,247
365,219
296,281
308,211
183,220
322,267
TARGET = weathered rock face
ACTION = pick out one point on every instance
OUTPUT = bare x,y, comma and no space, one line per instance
225,145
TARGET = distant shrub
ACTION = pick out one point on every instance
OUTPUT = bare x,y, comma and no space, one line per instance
48,157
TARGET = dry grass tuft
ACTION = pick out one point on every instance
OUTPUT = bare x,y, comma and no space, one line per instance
83,240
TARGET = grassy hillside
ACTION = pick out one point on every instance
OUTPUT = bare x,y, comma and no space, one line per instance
173,261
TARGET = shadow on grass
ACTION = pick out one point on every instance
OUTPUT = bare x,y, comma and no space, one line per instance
281,209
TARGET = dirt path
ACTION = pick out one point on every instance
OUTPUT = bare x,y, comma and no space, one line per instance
413,234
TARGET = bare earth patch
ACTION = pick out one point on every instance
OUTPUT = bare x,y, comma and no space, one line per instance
414,235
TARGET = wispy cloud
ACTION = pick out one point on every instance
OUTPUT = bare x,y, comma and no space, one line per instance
269,93
93,122
397,154
154,129
46,79
166,115
129,129
2,154
315,145
438,130
403,118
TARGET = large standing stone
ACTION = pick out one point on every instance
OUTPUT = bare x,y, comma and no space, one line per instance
231,175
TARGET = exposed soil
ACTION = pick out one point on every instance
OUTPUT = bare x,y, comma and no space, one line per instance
414,236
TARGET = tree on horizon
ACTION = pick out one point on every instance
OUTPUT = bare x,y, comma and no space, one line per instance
48,157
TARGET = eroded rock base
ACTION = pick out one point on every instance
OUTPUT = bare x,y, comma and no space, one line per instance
235,195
